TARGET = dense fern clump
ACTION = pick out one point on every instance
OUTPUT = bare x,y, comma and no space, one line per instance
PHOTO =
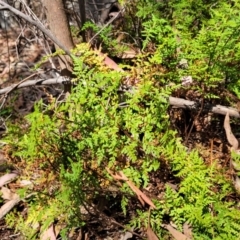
103,128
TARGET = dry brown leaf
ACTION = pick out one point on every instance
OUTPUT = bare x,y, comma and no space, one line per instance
175,233
141,196
7,178
128,54
26,183
7,194
49,234
172,186
109,62
141,200
139,193
237,184
187,230
115,176
150,234
13,198
230,136
8,206
126,236
58,228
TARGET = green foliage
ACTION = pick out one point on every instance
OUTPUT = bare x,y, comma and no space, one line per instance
203,33
101,128
45,58
90,133
104,37
196,201
22,226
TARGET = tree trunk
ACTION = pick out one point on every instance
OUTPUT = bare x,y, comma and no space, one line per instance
59,27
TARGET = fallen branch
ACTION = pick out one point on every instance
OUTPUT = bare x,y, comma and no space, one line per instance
191,105
58,80
173,101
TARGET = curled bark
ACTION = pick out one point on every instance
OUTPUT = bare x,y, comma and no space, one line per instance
234,142
230,136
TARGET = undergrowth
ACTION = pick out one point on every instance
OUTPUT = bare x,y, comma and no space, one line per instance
72,146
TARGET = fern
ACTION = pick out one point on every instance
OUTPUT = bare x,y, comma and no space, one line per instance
100,127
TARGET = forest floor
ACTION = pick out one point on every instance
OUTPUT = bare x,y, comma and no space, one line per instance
201,131
108,224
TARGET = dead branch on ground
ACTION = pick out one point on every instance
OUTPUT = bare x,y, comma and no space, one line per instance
173,101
